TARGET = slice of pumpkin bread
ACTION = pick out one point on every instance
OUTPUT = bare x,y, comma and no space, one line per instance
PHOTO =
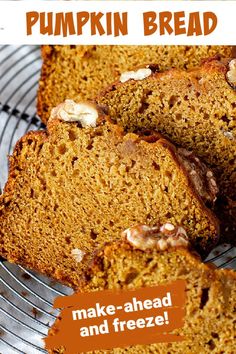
148,257
195,109
84,179
80,72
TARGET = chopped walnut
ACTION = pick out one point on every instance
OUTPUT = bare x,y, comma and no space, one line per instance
228,135
231,74
77,254
140,74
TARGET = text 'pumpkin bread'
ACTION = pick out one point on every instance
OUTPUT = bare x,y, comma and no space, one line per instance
80,72
148,257
84,179
195,109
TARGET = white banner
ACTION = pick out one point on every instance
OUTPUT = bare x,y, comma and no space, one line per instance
118,22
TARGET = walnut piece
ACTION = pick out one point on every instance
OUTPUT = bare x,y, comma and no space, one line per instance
231,74
228,135
140,74
161,238
69,111
77,254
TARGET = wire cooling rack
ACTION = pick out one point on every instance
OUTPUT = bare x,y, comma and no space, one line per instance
26,297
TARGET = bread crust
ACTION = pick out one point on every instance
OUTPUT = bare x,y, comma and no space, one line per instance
214,64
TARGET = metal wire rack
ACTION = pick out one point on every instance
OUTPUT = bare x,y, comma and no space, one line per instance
26,297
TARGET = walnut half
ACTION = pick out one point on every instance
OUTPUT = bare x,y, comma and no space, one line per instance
161,238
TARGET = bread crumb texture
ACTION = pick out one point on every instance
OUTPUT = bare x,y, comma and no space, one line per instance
74,188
